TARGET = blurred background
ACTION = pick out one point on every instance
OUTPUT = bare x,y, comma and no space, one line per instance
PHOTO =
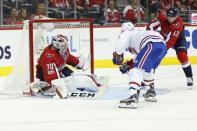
104,12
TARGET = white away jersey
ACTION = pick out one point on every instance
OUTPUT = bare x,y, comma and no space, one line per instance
135,40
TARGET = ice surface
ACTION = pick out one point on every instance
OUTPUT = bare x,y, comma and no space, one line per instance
176,109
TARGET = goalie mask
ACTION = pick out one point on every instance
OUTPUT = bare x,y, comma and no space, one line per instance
60,42
127,26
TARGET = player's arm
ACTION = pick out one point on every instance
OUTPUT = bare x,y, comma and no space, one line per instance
153,25
175,30
122,44
80,62
125,67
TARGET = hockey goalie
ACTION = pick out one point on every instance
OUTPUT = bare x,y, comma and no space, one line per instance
55,78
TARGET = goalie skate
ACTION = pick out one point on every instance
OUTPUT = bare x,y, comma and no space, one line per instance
131,102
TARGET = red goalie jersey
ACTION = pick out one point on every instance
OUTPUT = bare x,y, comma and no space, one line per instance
171,32
53,59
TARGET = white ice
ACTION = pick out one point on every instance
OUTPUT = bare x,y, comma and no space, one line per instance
176,109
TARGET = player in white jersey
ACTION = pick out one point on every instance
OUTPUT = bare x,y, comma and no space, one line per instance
149,48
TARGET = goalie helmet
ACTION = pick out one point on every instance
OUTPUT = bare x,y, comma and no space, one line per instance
127,26
60,42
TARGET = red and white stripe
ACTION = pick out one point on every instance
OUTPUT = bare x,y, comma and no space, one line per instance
144,41
134,85
154,24
145,56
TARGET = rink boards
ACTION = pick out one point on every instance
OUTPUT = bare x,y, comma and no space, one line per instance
104,40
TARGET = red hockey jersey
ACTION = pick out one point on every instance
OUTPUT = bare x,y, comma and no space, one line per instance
51,58
171,32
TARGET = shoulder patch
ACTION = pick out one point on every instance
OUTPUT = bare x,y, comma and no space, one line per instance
48,55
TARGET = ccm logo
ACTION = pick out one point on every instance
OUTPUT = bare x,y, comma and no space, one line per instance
5,52
77,94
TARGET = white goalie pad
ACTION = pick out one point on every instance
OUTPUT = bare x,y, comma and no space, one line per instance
81,85
60,86
80,82
37,86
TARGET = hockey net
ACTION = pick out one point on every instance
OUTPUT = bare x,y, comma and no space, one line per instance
36,35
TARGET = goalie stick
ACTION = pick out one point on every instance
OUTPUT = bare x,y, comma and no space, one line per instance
56,88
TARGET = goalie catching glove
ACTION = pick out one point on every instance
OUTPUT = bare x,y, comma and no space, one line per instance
84,63
117,59
125,67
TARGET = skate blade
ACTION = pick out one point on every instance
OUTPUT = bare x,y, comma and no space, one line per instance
151,99
190,87
130,106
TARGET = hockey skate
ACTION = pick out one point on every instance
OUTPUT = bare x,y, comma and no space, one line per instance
131,102
189,82
150,94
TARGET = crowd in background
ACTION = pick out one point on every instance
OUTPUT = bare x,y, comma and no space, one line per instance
102,11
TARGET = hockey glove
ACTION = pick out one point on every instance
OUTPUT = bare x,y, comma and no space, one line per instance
124,68
117,59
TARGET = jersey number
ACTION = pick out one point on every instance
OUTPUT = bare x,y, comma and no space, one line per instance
50,66
176,33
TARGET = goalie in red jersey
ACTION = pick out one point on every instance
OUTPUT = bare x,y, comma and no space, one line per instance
172,29
51,69
54,57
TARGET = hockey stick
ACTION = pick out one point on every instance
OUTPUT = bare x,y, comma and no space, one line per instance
93,79
58,76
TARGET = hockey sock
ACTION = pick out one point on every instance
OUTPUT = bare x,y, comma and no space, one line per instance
188,71
183,58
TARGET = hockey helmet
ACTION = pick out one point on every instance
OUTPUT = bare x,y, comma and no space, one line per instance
172,12
127,26
59,41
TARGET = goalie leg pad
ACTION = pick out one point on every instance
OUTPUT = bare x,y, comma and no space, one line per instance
60,88
84,82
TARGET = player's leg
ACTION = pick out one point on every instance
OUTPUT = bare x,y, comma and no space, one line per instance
150,63
136,77
44,86
181,52
148,87
154,59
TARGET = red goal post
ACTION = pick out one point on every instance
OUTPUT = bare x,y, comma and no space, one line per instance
88,24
